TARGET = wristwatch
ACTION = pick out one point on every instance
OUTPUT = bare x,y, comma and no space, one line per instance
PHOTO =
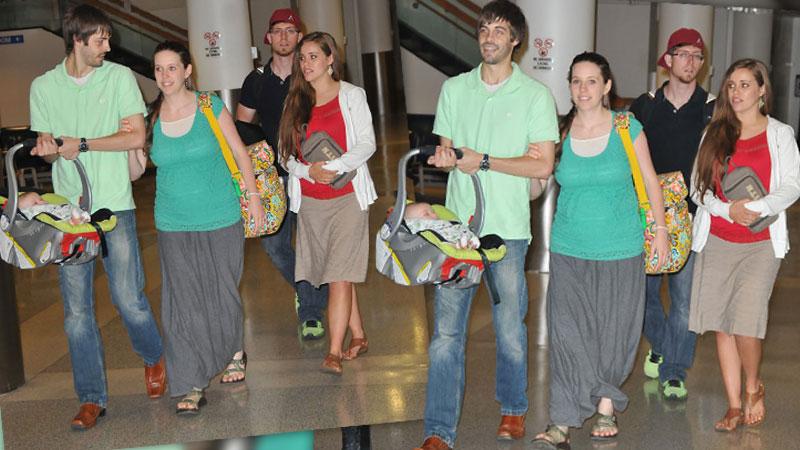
485,162
84,146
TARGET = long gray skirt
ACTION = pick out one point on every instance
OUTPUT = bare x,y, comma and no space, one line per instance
201,310
595,311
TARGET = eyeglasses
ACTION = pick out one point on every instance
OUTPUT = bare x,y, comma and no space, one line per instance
686,56
284,31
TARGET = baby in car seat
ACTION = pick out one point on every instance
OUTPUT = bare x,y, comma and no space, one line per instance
421,216
30,204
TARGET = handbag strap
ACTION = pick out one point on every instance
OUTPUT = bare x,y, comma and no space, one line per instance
204,102
622,124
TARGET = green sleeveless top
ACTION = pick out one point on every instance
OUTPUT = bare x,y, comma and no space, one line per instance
194,191
597,213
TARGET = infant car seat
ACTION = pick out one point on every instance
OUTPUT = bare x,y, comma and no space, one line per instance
31,242
421,258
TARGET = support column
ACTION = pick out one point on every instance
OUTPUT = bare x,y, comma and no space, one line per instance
752,34
374,27
672,16
557,31
219,40
324,15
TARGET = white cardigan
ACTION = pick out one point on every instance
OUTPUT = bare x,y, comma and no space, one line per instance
784,189
360,147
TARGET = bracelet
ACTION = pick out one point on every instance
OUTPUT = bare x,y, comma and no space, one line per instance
254,194
661,227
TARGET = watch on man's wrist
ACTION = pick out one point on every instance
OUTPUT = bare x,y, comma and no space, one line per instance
84,146
485,162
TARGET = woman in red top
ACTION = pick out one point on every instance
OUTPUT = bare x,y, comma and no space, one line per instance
736,268
332,224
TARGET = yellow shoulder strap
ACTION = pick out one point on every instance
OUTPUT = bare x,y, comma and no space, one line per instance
622,124
204,101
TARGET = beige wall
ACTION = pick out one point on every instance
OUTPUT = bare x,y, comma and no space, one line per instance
40,51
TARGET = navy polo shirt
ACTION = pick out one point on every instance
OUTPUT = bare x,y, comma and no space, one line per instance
673,134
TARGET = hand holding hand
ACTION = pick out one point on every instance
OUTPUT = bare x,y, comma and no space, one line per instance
320,174
470,162
742,215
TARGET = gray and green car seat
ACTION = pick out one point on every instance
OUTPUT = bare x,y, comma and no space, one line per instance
32,242
424,257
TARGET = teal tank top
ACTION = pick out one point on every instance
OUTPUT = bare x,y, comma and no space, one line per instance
194,191
597,213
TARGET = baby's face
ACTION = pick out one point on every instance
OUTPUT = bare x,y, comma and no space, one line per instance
420,211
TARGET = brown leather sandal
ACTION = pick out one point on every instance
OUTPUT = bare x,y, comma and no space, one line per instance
731,420
750,400
357,347
332,364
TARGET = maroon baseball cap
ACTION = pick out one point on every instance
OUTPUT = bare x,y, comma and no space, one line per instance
682,36
283,15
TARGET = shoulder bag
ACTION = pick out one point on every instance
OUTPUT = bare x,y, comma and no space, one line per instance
740,183
676,209
320,146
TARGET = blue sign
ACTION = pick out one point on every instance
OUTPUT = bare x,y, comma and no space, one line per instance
12,39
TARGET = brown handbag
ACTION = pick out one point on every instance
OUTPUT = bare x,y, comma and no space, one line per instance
743,183
320,146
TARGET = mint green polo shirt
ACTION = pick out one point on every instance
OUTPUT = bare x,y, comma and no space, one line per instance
63,108
502,124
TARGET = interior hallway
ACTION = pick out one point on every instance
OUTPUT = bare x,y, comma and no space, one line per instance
386,387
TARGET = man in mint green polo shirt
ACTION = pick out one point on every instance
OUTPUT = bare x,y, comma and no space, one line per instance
492,114
82,101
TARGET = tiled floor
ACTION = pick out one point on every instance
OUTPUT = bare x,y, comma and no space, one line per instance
386,387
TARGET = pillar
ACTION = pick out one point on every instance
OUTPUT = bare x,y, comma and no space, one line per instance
324,15
752,34
375,33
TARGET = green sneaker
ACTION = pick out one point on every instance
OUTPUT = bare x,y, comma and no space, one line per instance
675,389
312,329
651,364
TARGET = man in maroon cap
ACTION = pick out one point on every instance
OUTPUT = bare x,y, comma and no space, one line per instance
263,92
674,117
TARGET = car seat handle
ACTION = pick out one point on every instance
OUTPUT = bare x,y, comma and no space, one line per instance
396,217
10,210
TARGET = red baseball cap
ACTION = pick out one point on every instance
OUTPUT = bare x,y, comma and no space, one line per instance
682,36
283,15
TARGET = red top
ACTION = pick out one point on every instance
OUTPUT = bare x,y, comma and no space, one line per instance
327,117
754,153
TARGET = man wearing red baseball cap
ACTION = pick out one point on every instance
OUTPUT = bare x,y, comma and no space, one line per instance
264,91
674,117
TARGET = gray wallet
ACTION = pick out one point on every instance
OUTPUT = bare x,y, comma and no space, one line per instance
740,183
320,146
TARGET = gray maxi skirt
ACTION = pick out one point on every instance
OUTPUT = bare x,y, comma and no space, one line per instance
332,241
201,310
595,311
731,287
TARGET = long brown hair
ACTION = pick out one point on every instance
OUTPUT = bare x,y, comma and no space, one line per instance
301,97
154,108
724,129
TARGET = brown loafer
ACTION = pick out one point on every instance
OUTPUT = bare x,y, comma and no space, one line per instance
357,347
155,378
332,364
87,416
511,427
433,443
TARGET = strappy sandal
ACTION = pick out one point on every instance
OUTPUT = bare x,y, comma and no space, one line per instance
552,438
195,399
750,400
731,420
235,367
332,364
605,424
357,347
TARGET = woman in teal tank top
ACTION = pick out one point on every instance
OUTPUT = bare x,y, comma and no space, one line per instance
595,295
200,233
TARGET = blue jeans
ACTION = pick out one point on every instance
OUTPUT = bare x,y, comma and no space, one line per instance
669,335
123,266
446,353
279,248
